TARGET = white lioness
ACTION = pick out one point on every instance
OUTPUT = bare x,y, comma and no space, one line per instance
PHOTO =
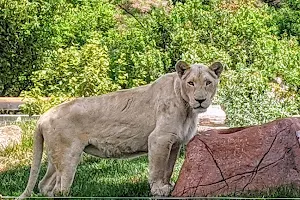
156,118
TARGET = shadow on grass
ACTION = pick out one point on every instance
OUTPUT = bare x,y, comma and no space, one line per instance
288,191
113,178
94,178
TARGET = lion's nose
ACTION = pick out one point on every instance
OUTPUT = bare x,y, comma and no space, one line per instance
200,100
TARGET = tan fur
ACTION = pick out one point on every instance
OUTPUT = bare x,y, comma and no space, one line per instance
156,118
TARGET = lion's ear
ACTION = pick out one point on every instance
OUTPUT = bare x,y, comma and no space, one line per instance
217,67
180,67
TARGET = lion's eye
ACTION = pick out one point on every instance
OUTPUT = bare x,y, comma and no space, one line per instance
191,83
208,83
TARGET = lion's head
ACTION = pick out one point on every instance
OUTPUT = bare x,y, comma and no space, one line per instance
198,83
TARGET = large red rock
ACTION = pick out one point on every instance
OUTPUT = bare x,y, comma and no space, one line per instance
220,162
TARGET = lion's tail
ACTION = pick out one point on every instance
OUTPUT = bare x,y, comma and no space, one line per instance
35,166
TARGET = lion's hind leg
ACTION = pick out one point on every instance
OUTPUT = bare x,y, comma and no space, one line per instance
65,164
47,184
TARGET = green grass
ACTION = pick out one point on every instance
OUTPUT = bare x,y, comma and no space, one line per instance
96,177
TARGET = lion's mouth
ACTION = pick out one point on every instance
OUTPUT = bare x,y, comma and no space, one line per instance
199,107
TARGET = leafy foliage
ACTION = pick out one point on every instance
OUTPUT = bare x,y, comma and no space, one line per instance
69,72
75,72
249,99
21,42
85,48
288,19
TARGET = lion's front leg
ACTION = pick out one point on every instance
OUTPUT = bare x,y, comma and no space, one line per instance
171,162
159,146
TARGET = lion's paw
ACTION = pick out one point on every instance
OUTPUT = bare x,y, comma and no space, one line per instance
161,190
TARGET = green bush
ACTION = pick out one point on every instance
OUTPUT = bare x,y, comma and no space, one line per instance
76,22
28,29
22,42
36,104
288,19
249,99
135,60
75,72
70,72
93,47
